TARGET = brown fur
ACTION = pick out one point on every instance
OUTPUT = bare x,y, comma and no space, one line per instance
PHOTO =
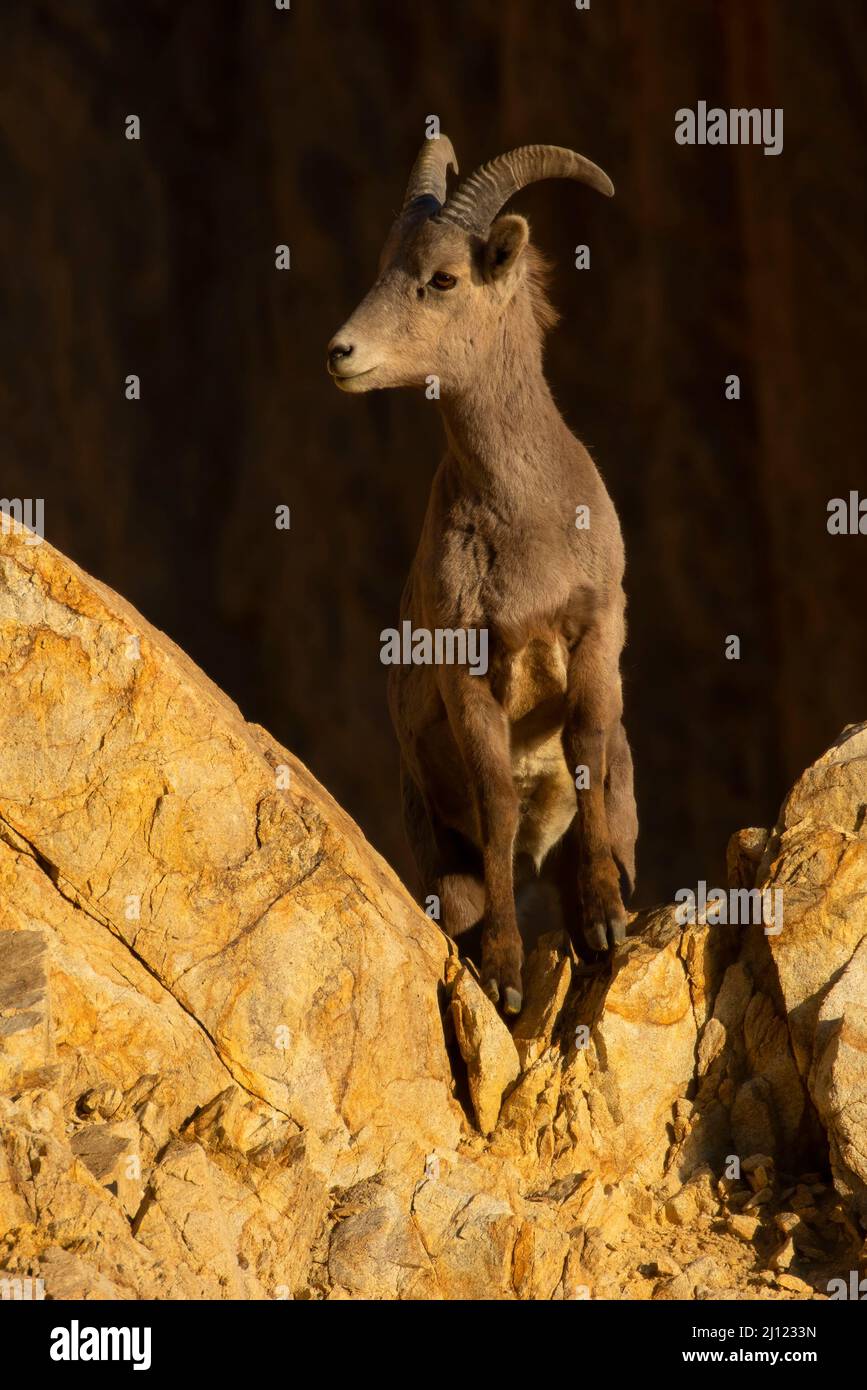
488,762
538,273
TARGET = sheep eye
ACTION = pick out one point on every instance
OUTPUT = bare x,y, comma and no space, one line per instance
441,280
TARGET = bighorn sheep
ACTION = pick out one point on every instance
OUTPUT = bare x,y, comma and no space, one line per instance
524,771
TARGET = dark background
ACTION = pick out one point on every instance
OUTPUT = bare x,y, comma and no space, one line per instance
261,127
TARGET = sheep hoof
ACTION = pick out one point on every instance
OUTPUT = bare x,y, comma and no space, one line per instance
492,990
512,1001
617,932
597,938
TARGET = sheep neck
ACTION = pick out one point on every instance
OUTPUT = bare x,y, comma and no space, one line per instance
503,427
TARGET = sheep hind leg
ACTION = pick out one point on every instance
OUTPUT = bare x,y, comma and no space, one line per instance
537,903
452,885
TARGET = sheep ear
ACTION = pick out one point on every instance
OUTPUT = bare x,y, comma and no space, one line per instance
505,245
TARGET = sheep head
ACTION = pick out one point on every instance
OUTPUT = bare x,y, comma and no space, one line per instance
448,270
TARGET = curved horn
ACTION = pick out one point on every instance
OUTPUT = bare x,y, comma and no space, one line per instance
476,202
428,180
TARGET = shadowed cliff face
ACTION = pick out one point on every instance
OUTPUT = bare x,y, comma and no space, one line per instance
157,257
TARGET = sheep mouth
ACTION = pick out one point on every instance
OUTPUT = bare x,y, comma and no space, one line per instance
344,379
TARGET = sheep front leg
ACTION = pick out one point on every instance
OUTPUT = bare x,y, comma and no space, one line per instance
594,709
481,731
621,810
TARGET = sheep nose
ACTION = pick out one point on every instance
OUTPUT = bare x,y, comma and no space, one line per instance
338,352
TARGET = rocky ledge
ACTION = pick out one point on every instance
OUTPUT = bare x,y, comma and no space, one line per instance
237,1061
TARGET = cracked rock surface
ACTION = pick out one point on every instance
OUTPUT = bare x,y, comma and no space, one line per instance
237,1061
